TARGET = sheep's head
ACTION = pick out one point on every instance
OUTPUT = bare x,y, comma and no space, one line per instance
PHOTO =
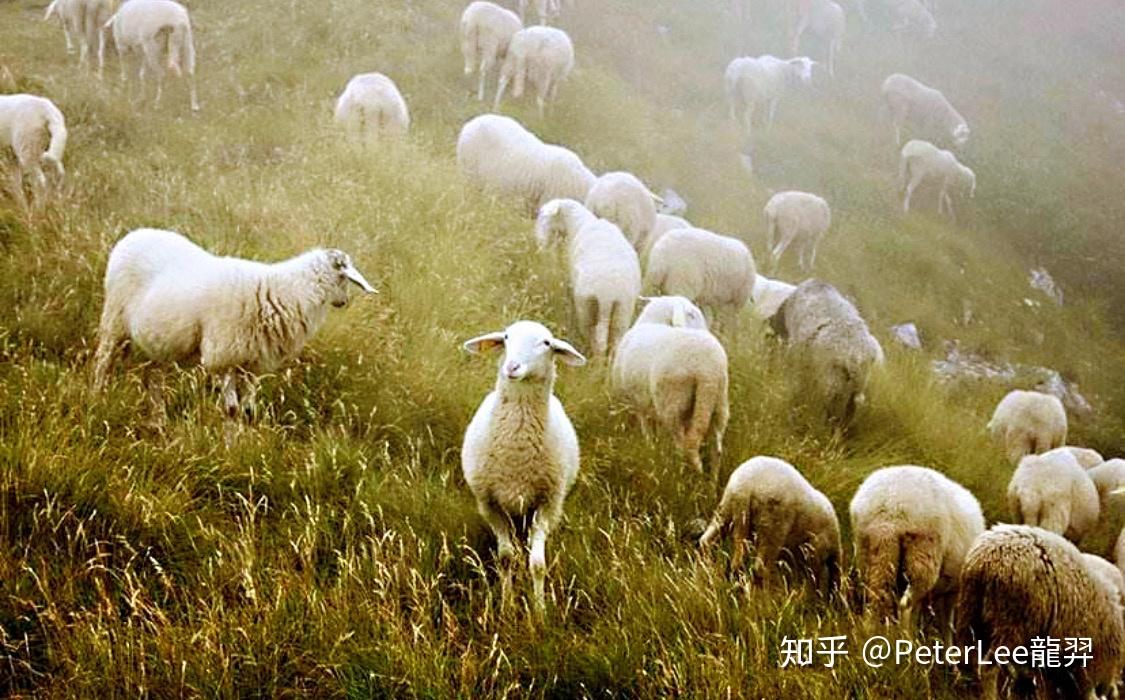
801,68
529,351
550,224
335,274
961,134
674,311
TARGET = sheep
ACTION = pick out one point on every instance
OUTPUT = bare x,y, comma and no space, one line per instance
546,10
801,217
605,274
669,367
1022,583
1087,458
1108,477
140,26
825,19
913,15
711,270
370,105
1028,422
1119,551
768,295
1108,573
623,199
541,56
768,498
925,108
662,225
520,452
486,31
921,160
83,18
25,122
1053,492
912,527
498,151
832,341
172,300
750,80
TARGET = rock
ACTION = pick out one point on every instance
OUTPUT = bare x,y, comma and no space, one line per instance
907,335
1041,279
674,204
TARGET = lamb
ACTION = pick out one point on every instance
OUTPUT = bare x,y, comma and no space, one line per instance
140,26
801,217
370,105
83,18
833,343
486,32
605,273
921,160
623,199
912,527
765,79
768,498
924,108
1108,477
826,20
662,225
541,56
1086,457
1028,422
1021,583
913,15
499,152
1054,493
669,367
711,270
173,301
25,121
769,295
520,452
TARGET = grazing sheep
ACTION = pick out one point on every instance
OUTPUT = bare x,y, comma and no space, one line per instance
767,498
520,452
541,56
1055,493
912,527
371,105
1028,422
1108,573
499,152
1108,477
84,19
141,25
1086,457
174,301
750,81
486,31
605,274
833,343
924,108
1119,551
711,270
769,295
1023,583
912,15
662,225
25,122
801,217
546,10
624,200
826,20
669,367
921,160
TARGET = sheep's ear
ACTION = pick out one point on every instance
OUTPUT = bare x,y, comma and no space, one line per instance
354,275
485,343
566,352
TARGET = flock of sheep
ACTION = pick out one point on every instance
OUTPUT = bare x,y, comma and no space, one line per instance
920,539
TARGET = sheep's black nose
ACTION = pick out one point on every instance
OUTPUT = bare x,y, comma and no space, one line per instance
339,304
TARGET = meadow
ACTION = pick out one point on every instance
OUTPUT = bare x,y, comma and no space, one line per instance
332,548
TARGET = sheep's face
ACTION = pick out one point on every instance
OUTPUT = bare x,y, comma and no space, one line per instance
961,134
677,312
549,224
338,274
529,351
801,68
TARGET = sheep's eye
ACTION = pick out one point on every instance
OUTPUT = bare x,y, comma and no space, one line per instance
547,343
505,337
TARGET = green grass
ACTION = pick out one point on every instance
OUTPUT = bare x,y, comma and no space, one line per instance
332,549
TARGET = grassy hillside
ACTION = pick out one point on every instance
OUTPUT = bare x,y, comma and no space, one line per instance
333,548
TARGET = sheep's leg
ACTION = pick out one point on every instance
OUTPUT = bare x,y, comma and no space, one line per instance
773,112
152,62
748,116
787,237
537,560
250,395
230,393
915,180
485,70
740,537
15,185
501,88
501,527
832,58
154,388
110,341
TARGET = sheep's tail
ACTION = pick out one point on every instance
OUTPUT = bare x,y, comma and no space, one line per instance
708,397
880,558
920,566
1055,517
56,125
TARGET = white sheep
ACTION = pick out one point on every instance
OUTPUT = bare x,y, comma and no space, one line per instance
1023,583
826,20
924,108
669,367
545,10
1055,493
912,527
498,152
140,26
486,31
920,161
25,121
520,452
1028,422
605,273
540,56
712,271
768,295
84,19
1108,477
833,343
797,216
371,105
172,300
768,499
1119,551
913,15
764,79
1086,457
623,199
662,225
1108,573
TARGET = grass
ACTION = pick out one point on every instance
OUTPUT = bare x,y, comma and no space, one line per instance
333,549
